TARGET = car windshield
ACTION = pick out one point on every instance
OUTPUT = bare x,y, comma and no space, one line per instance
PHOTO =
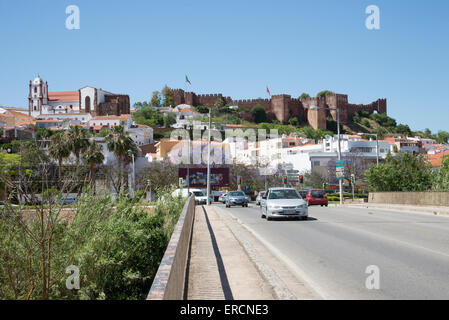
317,194
236,194
283,194
262,193
198,193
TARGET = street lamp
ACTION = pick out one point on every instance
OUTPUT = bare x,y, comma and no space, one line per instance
208,158
340,182
134,173
377,143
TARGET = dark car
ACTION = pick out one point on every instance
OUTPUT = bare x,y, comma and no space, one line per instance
316,197
236,198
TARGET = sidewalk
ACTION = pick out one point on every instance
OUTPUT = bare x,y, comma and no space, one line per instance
219,268
400,207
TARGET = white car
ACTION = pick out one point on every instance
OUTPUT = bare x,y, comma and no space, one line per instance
200,195
283,203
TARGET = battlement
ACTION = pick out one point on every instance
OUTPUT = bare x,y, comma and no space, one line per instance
282,106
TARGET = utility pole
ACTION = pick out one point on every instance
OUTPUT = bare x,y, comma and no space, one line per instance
208,158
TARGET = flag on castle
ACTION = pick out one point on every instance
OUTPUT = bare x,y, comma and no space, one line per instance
268,90
188,81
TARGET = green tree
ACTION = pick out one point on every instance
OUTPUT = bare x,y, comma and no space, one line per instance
93,156
169,119
323,93
356,118
293,121
123,147
168,95
59,149
406,172
156,99
259,113
219,103
149,117
441,181
140,105
403,129
77,139
304,96
442,137
43,133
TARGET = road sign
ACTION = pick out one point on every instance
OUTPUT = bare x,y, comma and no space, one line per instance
340,169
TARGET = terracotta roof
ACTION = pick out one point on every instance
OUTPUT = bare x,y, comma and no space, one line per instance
97,127
122,117
189,110
21,114
22,123
435,160
5,115
235,125
64,96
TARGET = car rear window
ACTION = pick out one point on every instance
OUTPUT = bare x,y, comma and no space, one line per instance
237,194
317,193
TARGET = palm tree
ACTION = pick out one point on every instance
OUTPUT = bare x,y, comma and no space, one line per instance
59,149
93,155
121,144
78,141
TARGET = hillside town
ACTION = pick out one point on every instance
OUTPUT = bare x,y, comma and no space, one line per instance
98,111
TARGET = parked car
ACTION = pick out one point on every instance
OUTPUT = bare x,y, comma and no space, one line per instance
236,198
316,197
222,198
283,203
259,197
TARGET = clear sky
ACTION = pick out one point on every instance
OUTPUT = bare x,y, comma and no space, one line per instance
235,47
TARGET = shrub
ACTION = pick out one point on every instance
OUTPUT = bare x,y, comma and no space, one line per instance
116,245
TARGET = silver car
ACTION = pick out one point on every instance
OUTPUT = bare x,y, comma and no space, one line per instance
236,198
259,197
283,203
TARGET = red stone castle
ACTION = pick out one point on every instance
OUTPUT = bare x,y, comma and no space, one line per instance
282,107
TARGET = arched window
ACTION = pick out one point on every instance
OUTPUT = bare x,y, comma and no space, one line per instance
87,104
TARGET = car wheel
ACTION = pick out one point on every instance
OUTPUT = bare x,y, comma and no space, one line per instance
262,216
326,205
268,218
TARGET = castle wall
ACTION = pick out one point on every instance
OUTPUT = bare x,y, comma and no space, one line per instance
283,107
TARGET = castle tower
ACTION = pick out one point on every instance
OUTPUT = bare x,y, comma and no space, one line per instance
38,96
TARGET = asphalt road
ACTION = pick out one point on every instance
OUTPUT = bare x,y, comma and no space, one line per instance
334,247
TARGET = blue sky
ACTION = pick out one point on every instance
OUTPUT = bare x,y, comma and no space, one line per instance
235,47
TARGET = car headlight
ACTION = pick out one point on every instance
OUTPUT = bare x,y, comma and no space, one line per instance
274,207
302,206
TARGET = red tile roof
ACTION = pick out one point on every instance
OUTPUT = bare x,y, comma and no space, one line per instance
64,96
436,160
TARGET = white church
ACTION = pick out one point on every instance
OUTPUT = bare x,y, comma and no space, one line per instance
81,105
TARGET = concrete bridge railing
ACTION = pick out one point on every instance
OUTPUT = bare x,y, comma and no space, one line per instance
169,283
418,198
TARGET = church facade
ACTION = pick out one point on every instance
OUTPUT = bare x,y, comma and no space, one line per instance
86,102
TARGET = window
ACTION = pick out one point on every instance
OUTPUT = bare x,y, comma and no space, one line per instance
87,104
283,194
316,163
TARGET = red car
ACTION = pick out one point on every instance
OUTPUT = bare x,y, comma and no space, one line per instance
316,196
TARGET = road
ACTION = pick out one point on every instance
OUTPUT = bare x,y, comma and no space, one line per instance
333,248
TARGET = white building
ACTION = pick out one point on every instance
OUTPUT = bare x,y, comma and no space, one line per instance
87,100
97,123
